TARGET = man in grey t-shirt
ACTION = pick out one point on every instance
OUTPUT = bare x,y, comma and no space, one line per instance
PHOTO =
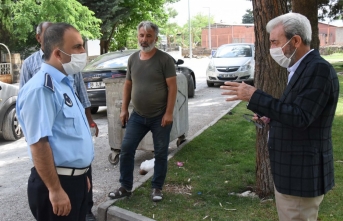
151,85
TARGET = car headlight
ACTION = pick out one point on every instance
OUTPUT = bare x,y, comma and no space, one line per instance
245,67
211,66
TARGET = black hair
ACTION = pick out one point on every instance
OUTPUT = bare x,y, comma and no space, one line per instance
53,37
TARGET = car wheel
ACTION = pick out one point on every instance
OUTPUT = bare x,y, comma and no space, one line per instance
210,84
11,129
191,87
114,160
94,110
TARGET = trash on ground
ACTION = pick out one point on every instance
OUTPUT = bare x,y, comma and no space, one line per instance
146,166
231,209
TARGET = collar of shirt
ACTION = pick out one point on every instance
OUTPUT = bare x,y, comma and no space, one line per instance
292,69
54,73
41,53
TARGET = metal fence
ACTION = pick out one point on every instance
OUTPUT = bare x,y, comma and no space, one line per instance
5,68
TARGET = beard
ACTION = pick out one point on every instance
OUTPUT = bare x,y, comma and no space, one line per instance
291,53
147,48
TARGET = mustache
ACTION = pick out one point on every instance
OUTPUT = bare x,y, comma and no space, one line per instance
144,44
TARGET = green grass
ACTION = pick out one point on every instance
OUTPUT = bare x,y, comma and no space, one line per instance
218,162
336,60
333,57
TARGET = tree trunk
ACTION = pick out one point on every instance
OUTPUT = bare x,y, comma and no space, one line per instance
269,77
309,8
104,45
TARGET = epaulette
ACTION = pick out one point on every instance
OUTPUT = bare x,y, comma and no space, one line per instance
48,82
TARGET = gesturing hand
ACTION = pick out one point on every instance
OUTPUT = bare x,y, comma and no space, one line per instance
242,91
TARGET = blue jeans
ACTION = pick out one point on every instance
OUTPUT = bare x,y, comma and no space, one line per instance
137,127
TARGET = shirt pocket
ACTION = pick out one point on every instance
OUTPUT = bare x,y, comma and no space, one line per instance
70,122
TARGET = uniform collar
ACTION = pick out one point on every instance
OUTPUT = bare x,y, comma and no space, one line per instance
53,72
41,53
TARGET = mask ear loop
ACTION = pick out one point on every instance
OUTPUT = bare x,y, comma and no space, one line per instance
286,44
64,53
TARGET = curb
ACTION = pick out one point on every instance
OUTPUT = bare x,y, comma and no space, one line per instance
108,212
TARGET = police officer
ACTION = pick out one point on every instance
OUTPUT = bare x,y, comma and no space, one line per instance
32,65
56,130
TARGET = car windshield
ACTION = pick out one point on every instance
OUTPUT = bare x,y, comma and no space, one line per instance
231,51
114,63
110,61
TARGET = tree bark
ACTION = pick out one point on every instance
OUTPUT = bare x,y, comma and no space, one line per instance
104,45
269,77
309,8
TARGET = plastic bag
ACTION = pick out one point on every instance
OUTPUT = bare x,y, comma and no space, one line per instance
146,166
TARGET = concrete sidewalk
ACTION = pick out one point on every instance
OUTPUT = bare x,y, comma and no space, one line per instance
207,105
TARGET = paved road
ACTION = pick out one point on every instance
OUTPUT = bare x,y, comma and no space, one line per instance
15,164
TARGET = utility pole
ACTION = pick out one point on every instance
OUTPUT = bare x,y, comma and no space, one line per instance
190,34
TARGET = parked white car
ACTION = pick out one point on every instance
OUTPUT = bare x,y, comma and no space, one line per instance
9,125
232,62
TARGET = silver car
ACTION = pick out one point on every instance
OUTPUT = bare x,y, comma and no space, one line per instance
232,62
9,125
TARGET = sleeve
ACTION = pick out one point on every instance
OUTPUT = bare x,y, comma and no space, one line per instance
311,98
81,90
25,74
129,64
169,67
36,113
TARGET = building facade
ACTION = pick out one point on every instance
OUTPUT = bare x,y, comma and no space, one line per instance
221,33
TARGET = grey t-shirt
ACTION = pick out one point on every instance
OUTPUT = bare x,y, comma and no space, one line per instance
149,93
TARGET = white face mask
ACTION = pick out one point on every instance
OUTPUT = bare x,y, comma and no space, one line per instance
76,64
280,58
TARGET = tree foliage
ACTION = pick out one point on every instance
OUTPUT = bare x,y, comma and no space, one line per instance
6,25
198,22
119,17
25,15
248,17
332,9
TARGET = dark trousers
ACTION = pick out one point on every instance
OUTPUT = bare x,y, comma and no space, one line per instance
39,202
90,193
137,127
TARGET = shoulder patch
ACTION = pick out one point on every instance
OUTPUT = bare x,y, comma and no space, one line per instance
48,82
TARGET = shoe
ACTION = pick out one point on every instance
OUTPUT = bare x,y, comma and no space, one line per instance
119,193
156,195
90,217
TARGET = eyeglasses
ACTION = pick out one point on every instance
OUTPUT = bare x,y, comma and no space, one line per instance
258,123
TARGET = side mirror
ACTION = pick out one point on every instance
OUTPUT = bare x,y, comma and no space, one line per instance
179,61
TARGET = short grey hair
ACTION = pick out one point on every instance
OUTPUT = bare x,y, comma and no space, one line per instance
40,27
148,25
293,24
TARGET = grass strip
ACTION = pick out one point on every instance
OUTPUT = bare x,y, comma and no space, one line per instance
219,163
